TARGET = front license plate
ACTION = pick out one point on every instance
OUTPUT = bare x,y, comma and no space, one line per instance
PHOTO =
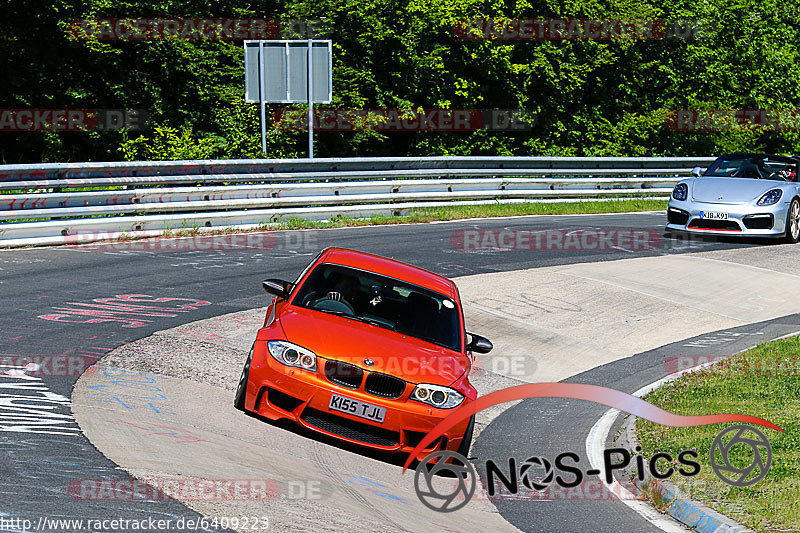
714,215
357,408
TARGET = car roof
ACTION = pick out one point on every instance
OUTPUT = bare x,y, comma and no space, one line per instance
390,267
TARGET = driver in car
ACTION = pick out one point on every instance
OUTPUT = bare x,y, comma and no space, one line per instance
345,289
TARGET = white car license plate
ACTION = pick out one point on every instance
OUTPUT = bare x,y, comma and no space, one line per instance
713,215
357,408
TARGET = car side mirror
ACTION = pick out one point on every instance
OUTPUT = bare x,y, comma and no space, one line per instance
479,344
278,287
697,172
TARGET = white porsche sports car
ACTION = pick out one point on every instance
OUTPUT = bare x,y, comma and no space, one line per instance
741,194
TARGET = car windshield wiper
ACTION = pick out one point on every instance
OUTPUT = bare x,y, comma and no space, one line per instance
375,322
431,340
332,312
371,321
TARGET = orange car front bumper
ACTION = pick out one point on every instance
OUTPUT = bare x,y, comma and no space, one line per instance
276,391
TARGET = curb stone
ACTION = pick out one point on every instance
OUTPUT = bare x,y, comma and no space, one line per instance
680,506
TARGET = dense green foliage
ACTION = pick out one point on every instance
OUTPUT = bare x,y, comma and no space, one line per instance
591,97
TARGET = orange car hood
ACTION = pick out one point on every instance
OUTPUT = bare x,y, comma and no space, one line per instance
336,337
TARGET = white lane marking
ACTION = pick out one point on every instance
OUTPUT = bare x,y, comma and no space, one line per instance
594,450
595,444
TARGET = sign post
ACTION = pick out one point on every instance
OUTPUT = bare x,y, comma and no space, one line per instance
310,102
262,88
288,72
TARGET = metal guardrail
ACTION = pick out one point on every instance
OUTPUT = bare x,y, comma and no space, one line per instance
51,203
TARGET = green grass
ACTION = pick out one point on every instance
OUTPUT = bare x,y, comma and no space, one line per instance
63,190
456,212
764,382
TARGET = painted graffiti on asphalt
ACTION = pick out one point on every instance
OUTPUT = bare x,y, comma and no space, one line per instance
130,390
127,309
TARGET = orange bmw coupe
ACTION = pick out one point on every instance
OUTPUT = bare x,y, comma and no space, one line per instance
364,349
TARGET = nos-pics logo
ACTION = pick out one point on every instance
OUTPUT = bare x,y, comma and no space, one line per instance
435,474
725,463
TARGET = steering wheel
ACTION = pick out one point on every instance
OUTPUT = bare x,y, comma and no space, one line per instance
337,306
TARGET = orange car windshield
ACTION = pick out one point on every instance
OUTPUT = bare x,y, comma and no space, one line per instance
383,302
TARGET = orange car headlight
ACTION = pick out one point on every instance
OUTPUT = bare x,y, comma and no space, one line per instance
437,396
292,355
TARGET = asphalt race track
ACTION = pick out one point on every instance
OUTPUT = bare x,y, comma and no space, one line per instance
54,301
